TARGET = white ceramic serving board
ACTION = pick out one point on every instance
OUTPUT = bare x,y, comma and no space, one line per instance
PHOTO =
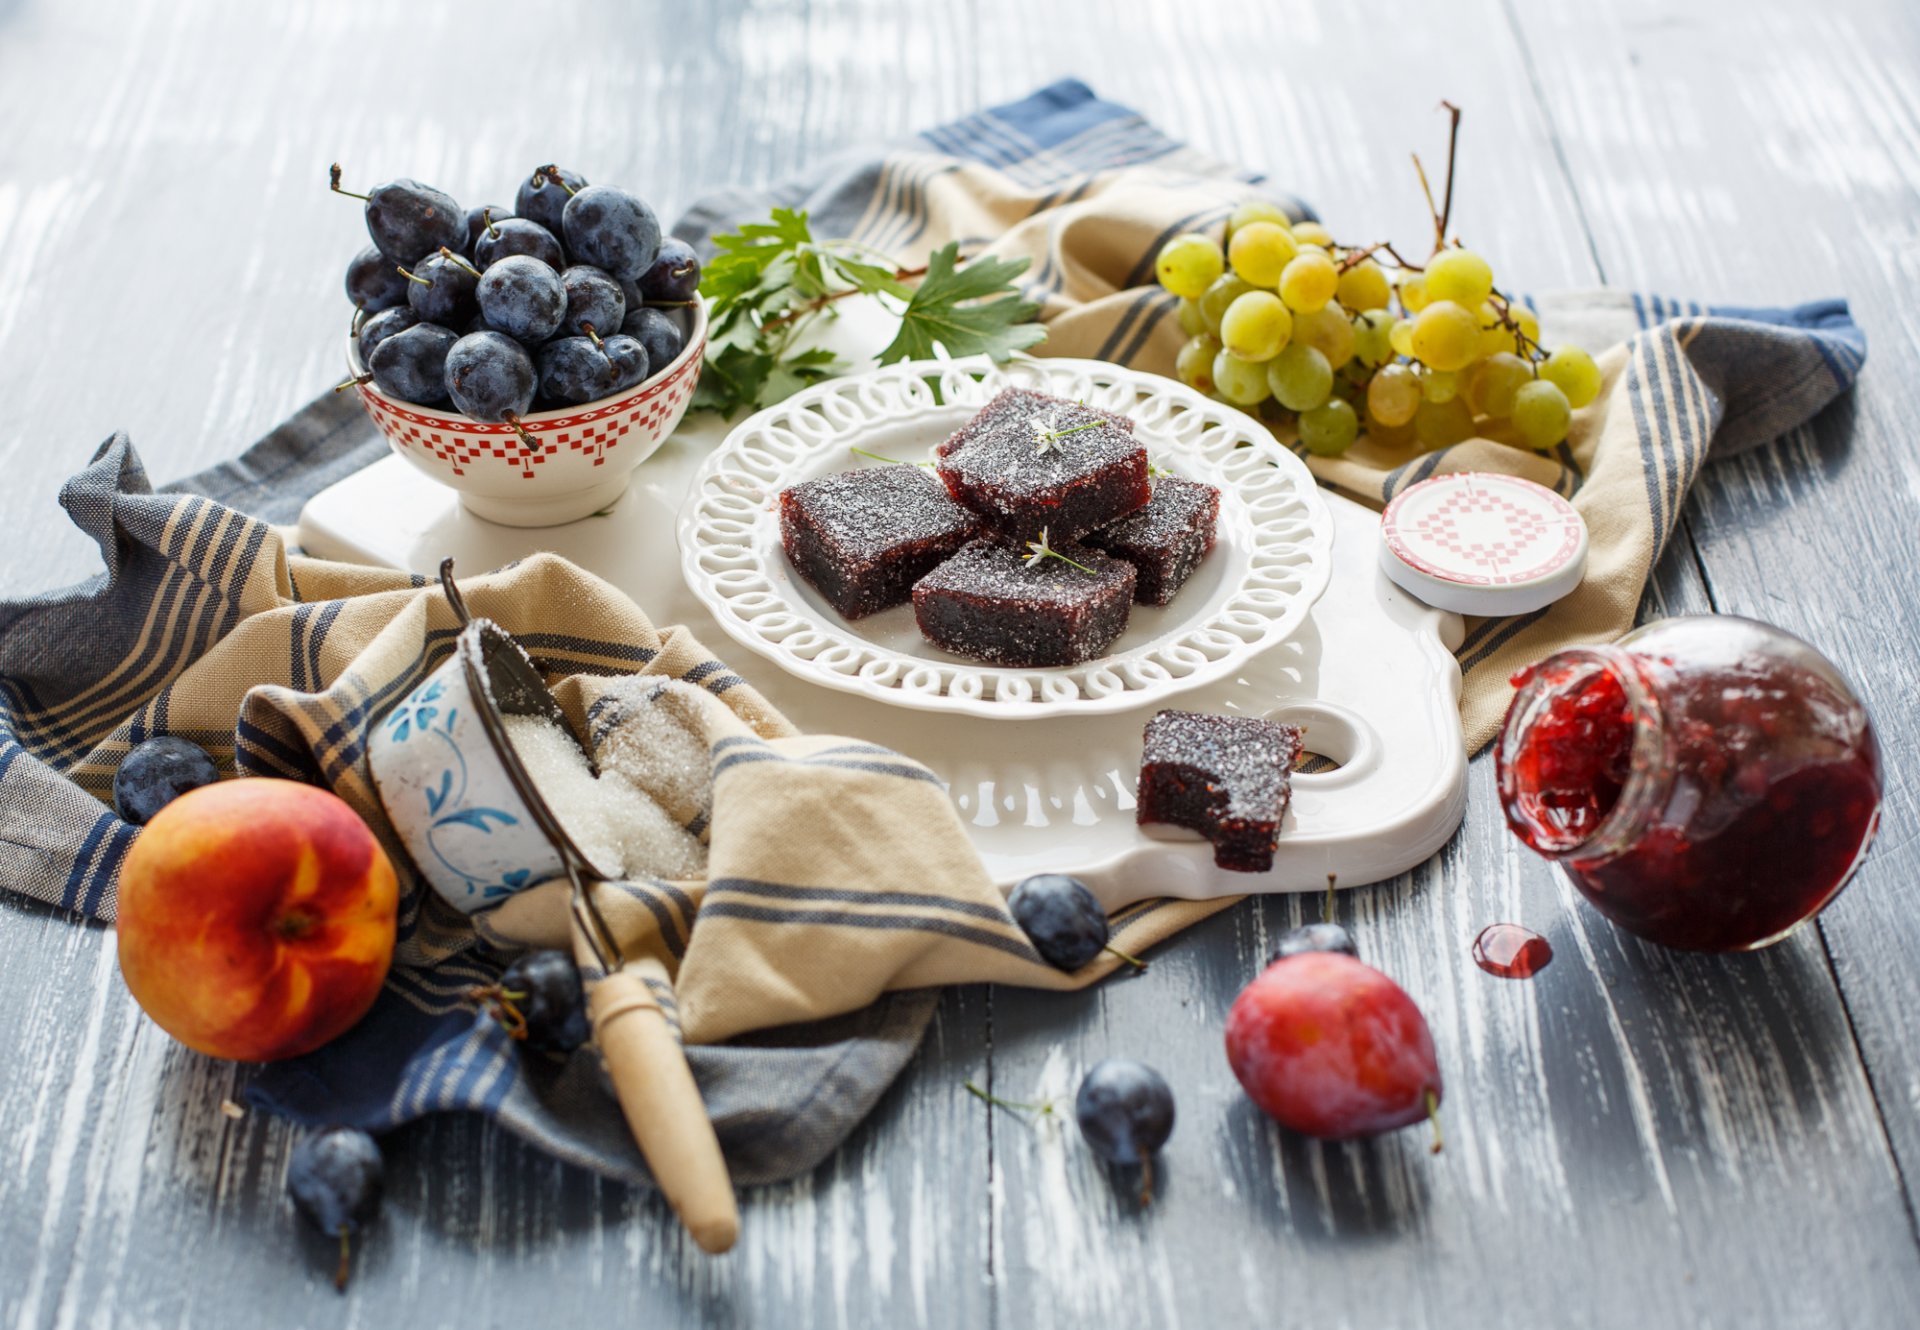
1371,675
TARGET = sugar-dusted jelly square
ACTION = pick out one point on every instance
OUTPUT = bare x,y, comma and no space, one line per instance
988,602
1166,540
1229,778
863,538
1028,461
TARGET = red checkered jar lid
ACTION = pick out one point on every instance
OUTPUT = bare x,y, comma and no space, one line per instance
1482,543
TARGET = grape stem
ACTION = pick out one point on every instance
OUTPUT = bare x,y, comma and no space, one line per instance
1357,255
1534,352
1443,214
333,183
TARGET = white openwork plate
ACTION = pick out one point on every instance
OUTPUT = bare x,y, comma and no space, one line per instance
1269,565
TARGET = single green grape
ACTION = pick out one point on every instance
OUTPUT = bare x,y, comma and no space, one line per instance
1440,385
1300,378
1393,395
1191,323
1446,335
1256,210
1188,264
1194,365
1260,251
1373,337
1364,286
1494,381
1573,372
1328,331
1459,275
1541,413
1442,424
1224,291
1413,294
1242,382
1312,233
1256,326
1329,430
1309,282
1400,337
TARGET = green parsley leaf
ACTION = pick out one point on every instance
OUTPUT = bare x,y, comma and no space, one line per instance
967,310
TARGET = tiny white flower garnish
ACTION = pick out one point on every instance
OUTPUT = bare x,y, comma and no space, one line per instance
1047,436
1041,549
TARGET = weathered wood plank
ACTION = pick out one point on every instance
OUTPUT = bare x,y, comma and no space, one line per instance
1815,533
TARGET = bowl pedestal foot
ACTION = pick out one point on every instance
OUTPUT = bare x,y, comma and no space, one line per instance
548,511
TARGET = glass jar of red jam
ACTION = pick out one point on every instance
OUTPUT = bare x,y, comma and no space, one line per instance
1708,782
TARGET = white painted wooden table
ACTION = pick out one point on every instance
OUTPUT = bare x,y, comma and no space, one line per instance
1635,1138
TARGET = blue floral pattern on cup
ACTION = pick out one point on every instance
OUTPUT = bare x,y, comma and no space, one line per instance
472,849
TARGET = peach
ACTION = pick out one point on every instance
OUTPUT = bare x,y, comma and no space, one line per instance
256,918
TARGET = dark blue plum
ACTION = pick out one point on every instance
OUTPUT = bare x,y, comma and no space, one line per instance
544,193
1061,918
155,773
335,1177
374,282
573,370
409,220
674,274
440,289
611,229
383,325
655,330
593,301
544,988
517,235
1125,1111
631,364
479,217
1322,936
411,365
522,297
490,376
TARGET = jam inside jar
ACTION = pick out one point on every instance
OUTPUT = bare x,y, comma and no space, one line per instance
1707,782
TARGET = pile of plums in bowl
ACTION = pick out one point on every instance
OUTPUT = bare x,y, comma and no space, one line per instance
528,357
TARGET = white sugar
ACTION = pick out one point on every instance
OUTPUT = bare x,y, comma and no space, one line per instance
655,743
613,821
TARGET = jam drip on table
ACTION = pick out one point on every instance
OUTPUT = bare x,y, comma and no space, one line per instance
1509,951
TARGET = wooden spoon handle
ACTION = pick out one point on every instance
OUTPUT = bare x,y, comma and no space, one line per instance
663,1108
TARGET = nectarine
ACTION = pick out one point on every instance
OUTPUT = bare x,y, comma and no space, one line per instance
256,918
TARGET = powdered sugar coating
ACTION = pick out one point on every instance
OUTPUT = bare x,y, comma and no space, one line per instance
987,603
1166,540
863,538
1029,460
1228,777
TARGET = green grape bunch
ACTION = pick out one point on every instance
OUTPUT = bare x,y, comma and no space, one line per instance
1353,338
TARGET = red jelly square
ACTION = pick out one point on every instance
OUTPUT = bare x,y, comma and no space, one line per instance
988,603
863,538
1227,777
1166,540
1028,461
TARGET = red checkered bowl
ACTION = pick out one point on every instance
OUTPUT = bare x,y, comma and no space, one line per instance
586,454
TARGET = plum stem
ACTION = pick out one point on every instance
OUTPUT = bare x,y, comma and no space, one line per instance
1433,1116
486,223
345,1268
1134,961
552,172
594,336
353,382
1146,1181
527,440
424,281
458,261
1327,912
333,183
666,304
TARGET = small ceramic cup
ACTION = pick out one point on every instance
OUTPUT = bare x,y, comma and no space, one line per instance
457,793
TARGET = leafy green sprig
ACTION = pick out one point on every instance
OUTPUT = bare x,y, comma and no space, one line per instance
771,281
